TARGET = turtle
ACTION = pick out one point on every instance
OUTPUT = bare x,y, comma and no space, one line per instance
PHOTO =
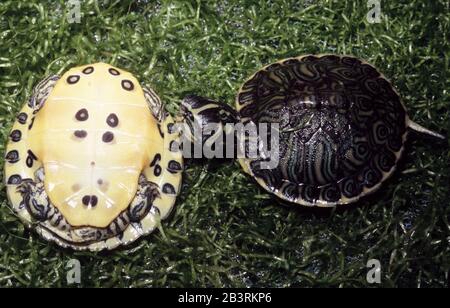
342,127
92,161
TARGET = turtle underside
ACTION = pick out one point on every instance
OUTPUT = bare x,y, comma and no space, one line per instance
92,160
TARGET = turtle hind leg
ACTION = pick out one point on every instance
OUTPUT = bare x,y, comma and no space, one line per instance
205,122
38,204
143,201
35,199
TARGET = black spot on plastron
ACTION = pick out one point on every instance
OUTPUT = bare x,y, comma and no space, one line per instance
16,135
82,115
15,179
29,162
30,158
99,181
31,154
80,133
156,159
174,166
168,189
170,128
112,120
94,200
86,199
31,124
127,85
174,146
107,137
22,118
72,79
114,72
12,156
88,70
157,170
160,131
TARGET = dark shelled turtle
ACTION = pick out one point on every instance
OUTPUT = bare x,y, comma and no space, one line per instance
342,127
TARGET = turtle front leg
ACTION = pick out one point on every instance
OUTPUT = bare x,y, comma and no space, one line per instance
38,204
147,192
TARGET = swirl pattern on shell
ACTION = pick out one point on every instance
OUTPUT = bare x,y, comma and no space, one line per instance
341,124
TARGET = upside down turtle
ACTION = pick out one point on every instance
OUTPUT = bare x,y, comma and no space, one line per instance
342,127
92,161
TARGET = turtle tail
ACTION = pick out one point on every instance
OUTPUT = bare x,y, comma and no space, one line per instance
420,129
207,124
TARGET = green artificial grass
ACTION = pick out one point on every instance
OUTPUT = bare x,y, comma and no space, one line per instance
225,230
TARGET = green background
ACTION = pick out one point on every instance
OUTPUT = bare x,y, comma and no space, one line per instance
225,230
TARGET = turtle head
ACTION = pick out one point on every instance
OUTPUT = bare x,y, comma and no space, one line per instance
204,122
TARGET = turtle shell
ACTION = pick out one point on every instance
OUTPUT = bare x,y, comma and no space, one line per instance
90,162
341,128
